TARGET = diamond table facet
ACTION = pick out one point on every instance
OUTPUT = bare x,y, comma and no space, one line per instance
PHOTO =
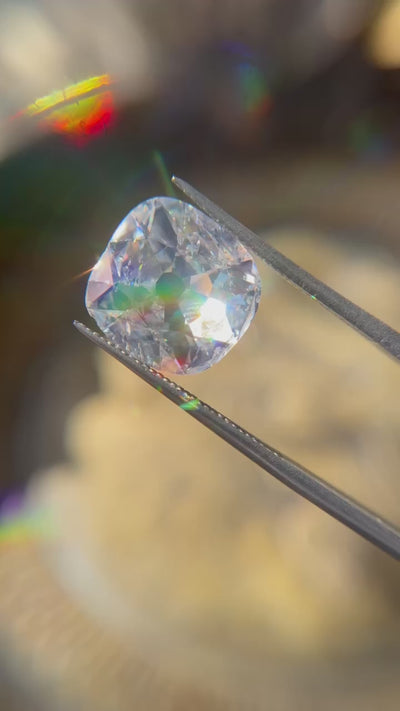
173,287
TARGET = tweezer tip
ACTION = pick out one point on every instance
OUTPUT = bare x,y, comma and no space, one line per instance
80,327
178,182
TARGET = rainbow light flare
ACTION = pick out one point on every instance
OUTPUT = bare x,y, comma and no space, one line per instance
20,525
255,97
80,111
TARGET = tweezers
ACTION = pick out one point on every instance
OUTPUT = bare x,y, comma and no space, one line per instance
352,514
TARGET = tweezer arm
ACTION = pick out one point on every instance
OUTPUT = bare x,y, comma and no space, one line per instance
369,326
311,487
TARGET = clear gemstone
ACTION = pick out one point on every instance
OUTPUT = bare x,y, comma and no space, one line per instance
173,287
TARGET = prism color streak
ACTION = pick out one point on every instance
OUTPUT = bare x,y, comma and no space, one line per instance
81,110
173,287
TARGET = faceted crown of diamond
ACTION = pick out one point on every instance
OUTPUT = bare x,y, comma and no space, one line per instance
173,287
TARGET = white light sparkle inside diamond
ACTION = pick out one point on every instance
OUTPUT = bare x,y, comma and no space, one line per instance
212,322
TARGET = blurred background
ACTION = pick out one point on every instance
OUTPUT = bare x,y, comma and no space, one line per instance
142,563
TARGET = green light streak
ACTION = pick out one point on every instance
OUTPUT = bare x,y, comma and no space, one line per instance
163,174
190,405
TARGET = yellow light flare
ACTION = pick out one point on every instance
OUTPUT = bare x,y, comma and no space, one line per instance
61,96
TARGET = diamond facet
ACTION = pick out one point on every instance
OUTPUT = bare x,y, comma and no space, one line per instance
173,287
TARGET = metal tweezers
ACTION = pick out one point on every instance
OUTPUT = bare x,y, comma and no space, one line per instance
352,514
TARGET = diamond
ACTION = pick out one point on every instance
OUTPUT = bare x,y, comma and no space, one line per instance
173,287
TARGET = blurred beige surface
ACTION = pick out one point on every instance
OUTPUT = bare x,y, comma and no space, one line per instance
193,561
382,42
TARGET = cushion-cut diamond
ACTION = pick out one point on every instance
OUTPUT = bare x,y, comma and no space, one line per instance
173,287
